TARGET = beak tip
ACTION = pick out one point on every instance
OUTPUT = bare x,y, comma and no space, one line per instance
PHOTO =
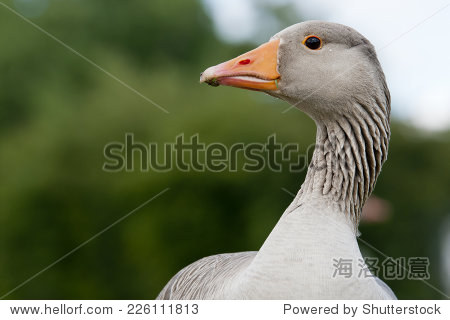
203,77
208,77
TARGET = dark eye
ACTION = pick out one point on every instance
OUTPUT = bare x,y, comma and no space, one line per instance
313,42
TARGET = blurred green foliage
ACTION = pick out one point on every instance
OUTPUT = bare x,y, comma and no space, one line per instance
57,112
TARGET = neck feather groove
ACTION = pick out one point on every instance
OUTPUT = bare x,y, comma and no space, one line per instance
349,153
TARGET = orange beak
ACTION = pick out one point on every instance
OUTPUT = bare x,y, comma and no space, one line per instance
254,70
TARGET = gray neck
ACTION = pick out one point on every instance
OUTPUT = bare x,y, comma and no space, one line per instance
350,151
321,223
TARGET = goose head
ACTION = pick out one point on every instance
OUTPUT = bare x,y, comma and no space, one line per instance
330,72
317,66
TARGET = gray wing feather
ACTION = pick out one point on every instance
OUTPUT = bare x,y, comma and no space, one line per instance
207,277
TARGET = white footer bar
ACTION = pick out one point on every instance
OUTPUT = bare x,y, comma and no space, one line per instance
217,310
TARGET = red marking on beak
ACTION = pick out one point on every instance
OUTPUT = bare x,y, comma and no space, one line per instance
245,61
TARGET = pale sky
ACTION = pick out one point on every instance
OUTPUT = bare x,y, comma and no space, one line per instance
412,40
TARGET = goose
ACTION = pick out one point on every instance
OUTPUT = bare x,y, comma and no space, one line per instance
330,72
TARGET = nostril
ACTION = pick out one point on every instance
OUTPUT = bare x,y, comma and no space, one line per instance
245,61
